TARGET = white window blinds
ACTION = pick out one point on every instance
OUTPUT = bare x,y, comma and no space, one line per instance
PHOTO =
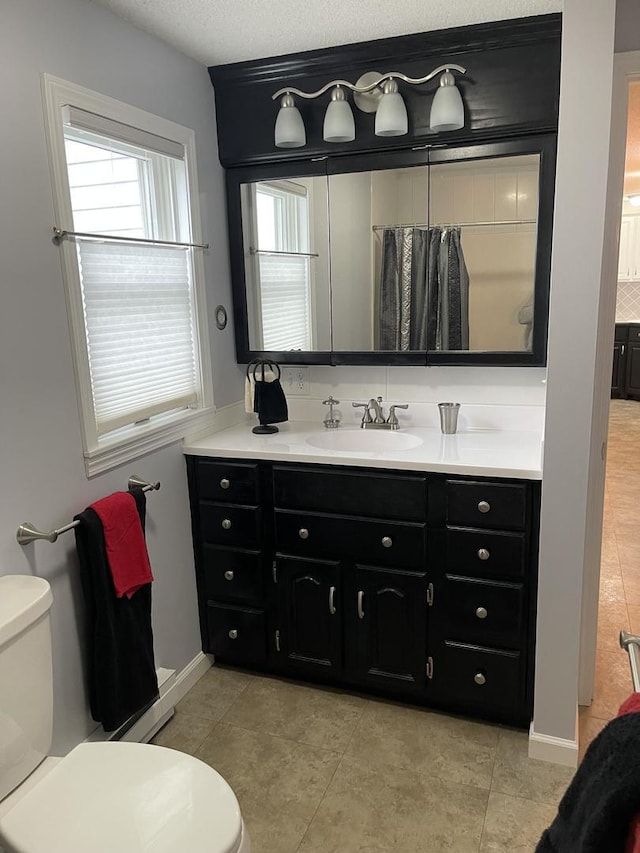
139,327
285,297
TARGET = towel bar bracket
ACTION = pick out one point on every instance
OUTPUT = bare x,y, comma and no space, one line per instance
28,532
631,642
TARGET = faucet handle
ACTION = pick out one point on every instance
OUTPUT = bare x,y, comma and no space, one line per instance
393,418
366,417
330,401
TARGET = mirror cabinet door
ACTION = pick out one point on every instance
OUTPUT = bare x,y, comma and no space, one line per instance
286,264
484,228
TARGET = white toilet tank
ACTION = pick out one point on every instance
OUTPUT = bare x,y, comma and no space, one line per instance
26,680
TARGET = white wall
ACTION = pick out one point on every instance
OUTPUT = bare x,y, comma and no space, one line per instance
42,474
570,466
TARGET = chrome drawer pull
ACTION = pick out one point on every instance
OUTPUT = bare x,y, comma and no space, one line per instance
332,600
360,608
483,554
387,542
303,533
233,634
228,575
226,524
479,678
481,612
484,506
224,483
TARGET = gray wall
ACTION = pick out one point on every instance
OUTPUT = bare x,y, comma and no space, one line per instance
627,25
42,475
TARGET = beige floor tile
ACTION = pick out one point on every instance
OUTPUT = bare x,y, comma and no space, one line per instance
184,732
214,693
612,618
279,783
612,684
319,717
590,727
365,811
631,581
514,825
520,776
612,588
434,744
634,617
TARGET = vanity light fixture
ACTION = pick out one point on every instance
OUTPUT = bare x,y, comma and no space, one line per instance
373,92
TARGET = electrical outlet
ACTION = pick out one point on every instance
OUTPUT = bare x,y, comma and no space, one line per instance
295,381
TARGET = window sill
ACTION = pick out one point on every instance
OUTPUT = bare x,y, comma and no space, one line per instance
146,439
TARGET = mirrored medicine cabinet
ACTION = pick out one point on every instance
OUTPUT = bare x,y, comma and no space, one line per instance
433,256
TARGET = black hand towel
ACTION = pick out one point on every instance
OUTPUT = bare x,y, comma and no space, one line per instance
595,813
122,673
270,404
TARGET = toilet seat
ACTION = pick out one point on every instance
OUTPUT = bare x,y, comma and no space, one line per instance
131,797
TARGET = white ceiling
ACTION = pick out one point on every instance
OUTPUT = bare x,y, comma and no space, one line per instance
216,32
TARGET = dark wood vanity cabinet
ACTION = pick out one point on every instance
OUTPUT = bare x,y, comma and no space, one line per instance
418,586
625,374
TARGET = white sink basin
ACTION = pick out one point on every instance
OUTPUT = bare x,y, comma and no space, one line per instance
364,441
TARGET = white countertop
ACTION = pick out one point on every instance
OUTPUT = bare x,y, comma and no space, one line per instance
481,452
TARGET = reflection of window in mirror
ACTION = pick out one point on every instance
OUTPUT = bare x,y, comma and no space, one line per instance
283,262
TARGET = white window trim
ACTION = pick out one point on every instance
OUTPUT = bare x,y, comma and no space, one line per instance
101,455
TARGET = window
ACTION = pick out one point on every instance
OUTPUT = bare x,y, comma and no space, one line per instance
284,270
124,183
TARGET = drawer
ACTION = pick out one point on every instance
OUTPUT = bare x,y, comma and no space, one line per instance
482,553
480,504
634,334
385,543
490,614
622,332
237,634
226,524
489,680
235,482
380,495
232,573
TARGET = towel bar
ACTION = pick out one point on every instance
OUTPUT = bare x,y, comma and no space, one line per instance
631,642
27,532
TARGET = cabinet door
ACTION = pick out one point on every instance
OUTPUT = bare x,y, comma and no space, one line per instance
386,629
310,635
625,256
633,367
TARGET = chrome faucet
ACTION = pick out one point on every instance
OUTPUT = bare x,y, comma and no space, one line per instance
378,420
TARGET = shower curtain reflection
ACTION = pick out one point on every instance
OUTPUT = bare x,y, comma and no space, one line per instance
424,290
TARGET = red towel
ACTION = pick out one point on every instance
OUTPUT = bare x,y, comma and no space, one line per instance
124,541
632,706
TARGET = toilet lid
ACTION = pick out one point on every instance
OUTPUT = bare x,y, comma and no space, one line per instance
106,797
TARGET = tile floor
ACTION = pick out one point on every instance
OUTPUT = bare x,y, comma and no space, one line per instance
619,569
321,771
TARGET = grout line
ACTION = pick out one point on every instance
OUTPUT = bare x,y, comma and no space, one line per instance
490,791
320,801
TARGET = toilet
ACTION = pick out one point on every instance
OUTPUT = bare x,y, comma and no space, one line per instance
113,796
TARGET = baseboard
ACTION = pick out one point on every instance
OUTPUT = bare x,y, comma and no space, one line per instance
172,689
557,750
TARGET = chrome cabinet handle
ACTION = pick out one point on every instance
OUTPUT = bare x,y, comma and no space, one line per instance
387,542
228,575
479,678
226,524
430,595
484,506
360,601
332,600
622,350
483,554
303,533
481,612
233,634
224,483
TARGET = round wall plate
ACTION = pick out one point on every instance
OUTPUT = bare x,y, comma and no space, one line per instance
368,101
221,316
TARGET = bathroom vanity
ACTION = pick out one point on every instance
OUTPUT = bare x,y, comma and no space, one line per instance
413,576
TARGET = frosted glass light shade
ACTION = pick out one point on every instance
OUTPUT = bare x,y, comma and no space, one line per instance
447,110
290,132
391,116
339,125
